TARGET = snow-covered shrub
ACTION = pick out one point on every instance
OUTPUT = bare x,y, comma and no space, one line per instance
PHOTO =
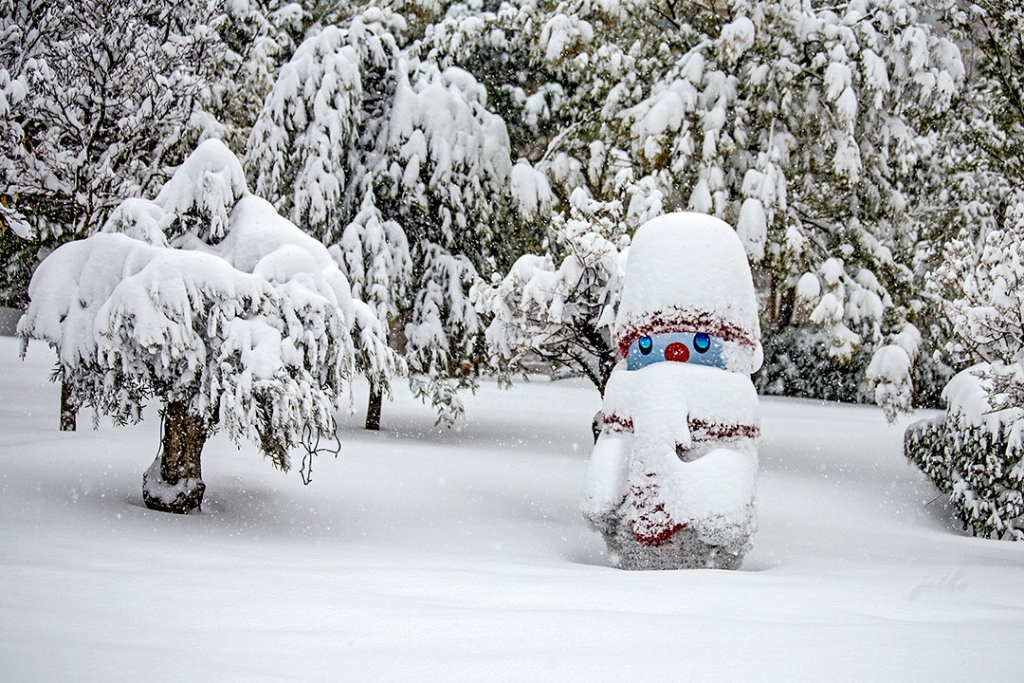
889,376
975,455
210,302
975,452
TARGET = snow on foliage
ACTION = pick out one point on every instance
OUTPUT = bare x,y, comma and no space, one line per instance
236,315
563,313
449,155
301,149
811,129
976,451
203,191
888,375
445,172
99,96
258,37
975,455
408,187
97,102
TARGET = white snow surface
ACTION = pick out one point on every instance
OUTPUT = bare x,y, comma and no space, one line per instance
967,397
716,488
684,267
423,553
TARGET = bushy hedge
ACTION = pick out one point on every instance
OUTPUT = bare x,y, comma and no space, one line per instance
981,472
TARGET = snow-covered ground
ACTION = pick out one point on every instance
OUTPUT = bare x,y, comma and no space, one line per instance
424,553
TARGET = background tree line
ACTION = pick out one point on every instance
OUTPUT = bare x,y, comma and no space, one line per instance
477,168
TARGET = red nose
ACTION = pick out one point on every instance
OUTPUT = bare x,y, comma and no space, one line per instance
677,351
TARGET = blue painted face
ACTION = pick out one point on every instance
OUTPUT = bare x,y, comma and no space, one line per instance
684,347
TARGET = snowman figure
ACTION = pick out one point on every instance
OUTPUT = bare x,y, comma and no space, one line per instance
671,479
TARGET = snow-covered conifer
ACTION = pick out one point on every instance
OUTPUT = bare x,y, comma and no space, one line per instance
258,36
304,151
401,167
373,253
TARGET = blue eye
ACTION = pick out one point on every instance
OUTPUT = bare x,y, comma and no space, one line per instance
645,344
701,342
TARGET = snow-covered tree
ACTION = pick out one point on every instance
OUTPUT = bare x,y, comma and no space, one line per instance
18,23
446,178
111,87
208,301
308,151
563,314
993,33
104,93
258,37
981,157
374,255
305,149
402,168
814,130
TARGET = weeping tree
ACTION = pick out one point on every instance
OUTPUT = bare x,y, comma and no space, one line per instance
208,301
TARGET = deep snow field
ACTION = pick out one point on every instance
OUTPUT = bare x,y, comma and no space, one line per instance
423,553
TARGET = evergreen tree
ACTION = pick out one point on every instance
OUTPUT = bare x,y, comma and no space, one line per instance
258,37
983,173
401,166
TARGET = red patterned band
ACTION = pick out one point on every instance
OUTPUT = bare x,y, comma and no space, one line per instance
682,320
700,430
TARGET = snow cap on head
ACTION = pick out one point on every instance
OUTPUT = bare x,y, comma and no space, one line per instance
688,272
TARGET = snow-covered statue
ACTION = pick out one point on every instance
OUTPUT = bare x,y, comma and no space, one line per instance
671,478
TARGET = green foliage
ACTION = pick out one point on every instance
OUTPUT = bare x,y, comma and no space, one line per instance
982,472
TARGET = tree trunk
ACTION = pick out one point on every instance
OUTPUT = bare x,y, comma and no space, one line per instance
174,482
373,407
68,410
